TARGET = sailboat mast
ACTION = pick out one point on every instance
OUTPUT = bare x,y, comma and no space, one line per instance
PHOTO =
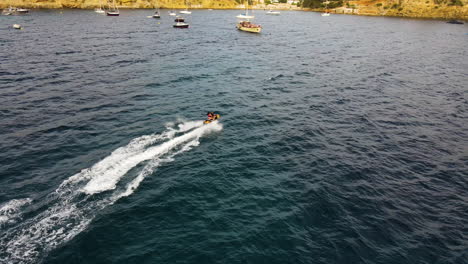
247,8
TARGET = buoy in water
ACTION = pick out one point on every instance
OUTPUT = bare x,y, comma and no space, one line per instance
17,26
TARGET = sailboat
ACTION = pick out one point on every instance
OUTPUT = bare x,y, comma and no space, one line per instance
244,23
327,12
156,14
172,12
246,14
99,10
186,10
10,11
113,11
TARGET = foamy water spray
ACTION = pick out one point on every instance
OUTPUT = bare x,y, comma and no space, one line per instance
71,210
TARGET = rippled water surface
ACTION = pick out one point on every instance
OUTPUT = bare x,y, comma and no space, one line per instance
343,139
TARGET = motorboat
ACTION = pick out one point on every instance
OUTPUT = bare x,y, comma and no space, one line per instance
156,15
248,26
22,10
181,25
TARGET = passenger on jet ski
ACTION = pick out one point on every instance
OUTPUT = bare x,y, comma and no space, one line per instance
211,116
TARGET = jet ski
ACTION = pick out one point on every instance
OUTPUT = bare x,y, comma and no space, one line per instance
215,117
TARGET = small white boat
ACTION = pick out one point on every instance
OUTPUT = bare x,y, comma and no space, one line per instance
113,10
113,13
156,15
14,11
100,10
245,16
22,10
9,11
17,26
172,13
327,12
181,25
186,11
274,13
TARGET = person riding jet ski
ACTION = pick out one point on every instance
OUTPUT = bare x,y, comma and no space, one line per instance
211,116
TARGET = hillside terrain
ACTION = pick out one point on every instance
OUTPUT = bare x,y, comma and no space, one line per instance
447,9
406,8
85,4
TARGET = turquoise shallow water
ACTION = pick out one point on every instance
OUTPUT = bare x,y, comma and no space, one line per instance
342,139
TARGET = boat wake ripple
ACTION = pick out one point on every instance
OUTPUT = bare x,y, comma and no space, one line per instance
10,212
75,202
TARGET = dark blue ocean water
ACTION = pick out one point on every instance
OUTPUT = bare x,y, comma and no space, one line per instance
343,139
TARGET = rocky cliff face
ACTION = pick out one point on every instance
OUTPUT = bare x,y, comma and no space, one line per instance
412,8
218,4
407,8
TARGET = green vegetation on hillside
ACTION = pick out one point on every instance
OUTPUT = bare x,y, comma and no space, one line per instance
320,4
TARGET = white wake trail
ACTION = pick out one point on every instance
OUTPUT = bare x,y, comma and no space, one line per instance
107,180
74,203
10,212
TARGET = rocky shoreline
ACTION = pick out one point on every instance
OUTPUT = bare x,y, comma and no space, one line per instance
413,10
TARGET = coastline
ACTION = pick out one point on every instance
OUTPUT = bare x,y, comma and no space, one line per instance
444,13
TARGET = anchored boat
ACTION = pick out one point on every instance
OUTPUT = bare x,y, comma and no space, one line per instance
14,11
180,22
245,24
113,10
22,10
248,26
156,14
181,25
100,10
327,12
